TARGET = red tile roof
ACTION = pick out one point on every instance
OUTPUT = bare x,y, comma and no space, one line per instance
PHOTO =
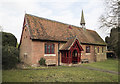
45,29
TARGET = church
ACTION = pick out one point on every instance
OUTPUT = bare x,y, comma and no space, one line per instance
59,43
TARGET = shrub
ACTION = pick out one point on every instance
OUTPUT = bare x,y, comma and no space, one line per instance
42,61
8,39
9,57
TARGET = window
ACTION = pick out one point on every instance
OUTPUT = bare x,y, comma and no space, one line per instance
98,49
87,49
49,49
102,49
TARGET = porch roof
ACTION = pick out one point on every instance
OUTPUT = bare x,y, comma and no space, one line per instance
69,43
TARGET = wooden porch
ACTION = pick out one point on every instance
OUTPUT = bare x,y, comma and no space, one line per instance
73,54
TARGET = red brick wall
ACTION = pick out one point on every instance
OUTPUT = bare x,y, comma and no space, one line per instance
38,52
94,55
89,56
26,47
100,56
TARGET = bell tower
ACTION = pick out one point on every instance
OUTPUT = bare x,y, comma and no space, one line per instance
82,22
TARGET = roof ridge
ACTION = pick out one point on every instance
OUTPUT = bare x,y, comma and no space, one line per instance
57,21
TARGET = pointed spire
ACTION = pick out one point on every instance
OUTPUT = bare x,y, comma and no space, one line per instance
82,19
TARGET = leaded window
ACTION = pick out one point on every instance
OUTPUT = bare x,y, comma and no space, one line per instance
49,48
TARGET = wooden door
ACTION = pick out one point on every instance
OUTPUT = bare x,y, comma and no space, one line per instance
75,56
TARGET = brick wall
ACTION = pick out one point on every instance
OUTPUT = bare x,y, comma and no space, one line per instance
101,55
38,48
90,56
26,47
94,55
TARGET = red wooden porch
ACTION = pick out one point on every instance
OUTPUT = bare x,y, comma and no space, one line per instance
72,54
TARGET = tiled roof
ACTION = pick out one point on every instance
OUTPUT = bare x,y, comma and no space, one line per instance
45,29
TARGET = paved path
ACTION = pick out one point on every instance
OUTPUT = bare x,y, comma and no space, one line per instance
96,69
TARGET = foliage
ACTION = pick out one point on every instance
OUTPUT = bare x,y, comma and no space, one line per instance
8,39
17,45
42,61
9,51
113,41
109,20
9,57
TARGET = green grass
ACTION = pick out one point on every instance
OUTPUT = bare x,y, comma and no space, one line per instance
109,64
62,74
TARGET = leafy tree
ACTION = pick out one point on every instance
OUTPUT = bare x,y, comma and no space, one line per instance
9,57
113,41
8,39
9,51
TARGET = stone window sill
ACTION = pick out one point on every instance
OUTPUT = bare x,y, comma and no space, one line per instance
87,53
49,54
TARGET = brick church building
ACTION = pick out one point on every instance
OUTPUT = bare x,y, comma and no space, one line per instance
59,43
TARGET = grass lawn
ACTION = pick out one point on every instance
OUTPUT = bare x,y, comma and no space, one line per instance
109,64
61,74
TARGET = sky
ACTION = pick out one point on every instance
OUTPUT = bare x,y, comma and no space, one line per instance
65,11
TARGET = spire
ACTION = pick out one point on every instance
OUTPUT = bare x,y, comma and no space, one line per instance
82,19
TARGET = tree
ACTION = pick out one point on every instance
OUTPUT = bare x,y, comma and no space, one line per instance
109,19
9,57
112,41
8,39
9,51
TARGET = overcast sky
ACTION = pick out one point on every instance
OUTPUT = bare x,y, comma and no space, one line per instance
67,11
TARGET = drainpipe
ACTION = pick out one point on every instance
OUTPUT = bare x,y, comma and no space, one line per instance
58,54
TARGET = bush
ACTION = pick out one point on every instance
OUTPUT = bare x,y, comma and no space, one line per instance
10,53
8,39
42,61
9,57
